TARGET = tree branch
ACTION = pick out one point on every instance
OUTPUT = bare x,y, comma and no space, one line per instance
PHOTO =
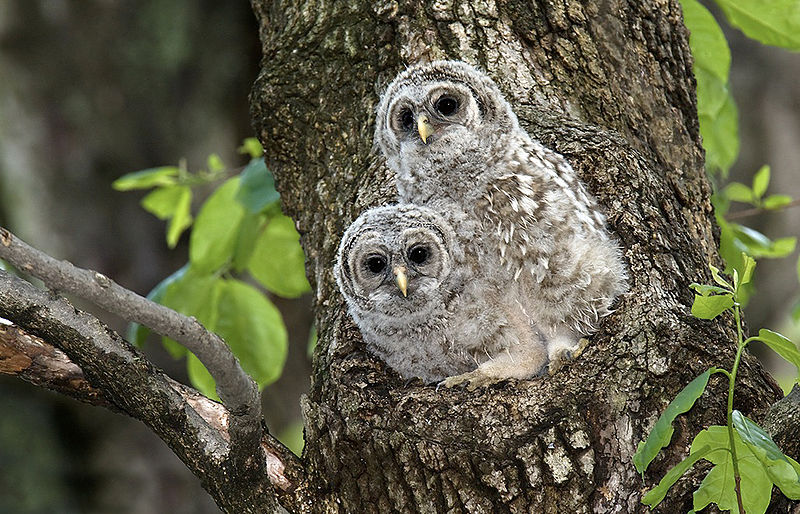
758,210
32,359
237,390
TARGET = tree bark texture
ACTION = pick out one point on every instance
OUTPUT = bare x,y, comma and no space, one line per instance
609,85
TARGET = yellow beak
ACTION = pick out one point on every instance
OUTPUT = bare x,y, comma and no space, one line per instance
424,127
401,279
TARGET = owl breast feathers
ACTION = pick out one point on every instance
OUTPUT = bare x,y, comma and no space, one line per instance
530,233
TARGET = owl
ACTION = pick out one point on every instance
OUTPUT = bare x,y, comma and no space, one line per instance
419,306
456,147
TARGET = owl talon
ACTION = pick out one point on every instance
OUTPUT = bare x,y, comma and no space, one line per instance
473,380
560,358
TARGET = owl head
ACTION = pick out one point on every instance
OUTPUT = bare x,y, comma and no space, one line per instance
396,264
438,103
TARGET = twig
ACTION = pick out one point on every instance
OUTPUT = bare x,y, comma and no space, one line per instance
236,389
757,210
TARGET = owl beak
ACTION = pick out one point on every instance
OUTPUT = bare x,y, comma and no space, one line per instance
401,279
424,127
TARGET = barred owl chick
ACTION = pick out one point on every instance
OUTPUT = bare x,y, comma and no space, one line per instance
457,147
419,306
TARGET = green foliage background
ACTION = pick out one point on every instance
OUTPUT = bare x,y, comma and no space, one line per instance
241,246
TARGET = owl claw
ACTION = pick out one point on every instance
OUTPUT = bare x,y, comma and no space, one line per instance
558,360
473,380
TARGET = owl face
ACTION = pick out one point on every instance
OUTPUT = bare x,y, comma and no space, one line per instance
439,104
395,262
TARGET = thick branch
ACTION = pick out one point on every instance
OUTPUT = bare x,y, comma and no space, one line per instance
34,360
237,390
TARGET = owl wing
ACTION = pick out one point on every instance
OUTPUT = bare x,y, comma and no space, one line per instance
548,231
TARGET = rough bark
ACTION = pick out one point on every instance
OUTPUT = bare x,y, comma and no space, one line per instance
609,85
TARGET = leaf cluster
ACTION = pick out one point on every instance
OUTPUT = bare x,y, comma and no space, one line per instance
746,461
240,247
777,23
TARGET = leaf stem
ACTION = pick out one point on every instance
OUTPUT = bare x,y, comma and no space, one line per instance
731,381
758,210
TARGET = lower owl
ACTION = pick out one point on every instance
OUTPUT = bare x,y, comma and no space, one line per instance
425,309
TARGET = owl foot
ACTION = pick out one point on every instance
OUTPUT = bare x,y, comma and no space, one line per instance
472,379
559,358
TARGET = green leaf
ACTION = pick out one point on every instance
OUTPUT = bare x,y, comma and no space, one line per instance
706,40
277,261
718,127
749,265
249,229
758,245
292,437
655,495
145,179
772,22
200,378
215,163
661,433
706,290
777,465
216,229
775,202
137,334
709,307
163,201
718,278
253,328
738,192
761,181
312,341
252,147
257,190
172,203
784,246
193,294
782,346
181,219
718,486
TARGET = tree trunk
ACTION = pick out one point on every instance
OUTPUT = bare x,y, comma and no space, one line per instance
609,85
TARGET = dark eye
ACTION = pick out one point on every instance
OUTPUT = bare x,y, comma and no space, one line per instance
446,105
407,119
376,263
418,254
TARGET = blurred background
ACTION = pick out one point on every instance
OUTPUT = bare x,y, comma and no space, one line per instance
93,89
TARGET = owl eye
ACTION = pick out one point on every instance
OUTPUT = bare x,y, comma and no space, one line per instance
446,105
418,254
375,263
406,119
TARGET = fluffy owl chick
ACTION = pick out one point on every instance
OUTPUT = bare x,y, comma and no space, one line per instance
402,271
456,146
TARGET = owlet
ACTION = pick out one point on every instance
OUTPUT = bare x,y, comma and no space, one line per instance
420,308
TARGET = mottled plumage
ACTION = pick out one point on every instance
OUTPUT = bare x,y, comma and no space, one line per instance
525,221
418,304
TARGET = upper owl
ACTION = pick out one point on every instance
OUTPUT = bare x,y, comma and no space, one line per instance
437,116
